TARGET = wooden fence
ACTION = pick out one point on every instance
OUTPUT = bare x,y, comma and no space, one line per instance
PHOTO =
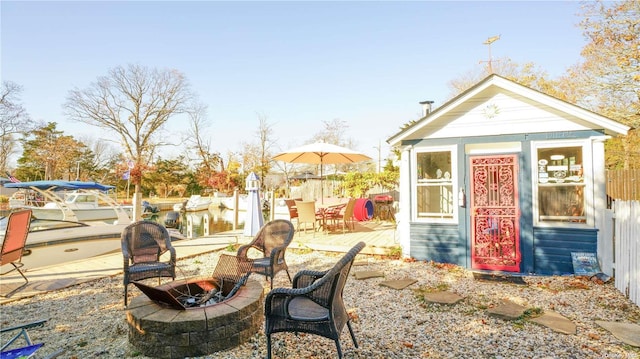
621,254
624,184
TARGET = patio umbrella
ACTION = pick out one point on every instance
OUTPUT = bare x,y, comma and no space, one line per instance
321,153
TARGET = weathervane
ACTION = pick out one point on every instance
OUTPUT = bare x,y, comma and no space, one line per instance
490,41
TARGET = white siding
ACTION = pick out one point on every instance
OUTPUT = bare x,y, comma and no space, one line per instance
513,116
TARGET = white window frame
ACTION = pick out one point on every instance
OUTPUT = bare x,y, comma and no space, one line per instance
587,159
453,149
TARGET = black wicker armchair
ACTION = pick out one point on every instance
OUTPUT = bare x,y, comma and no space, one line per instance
271,241
143,243
314,305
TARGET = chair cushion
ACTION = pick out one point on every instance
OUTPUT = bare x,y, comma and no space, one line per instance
264,262
261,262
302,308
145,267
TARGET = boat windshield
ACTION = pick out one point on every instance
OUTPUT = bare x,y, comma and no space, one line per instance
80,198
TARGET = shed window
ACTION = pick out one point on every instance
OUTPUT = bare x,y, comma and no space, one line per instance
434,192
561,184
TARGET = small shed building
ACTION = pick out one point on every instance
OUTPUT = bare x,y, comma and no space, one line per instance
503,178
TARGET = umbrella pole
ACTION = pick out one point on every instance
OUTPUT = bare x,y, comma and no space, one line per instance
321,183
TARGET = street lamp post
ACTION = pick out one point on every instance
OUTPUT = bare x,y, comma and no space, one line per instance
379,148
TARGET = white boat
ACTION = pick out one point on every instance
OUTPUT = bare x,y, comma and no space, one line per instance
180,206
194,203
230,202
74,201
52,242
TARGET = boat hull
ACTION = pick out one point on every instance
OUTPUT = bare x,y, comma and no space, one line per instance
44,256
198,207
83,215
73,241
193,204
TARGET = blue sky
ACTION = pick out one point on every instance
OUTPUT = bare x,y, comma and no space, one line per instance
295,63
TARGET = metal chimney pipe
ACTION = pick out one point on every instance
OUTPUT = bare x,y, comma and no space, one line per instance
426,107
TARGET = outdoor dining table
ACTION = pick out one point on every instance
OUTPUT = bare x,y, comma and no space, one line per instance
324,207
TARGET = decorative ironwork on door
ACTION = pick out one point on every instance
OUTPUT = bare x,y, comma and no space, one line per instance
495,215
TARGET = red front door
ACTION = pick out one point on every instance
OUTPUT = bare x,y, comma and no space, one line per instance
495,215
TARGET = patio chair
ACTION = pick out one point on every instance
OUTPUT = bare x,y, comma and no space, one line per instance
271,241
143,244
9,351
232,273
314,305
343,214
15,239
291,206
307,214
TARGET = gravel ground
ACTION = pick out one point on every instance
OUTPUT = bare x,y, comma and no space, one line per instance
88,320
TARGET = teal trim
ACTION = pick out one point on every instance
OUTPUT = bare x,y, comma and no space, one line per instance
525,197
524,137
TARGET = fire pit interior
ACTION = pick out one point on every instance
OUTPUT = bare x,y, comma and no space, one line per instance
192,294
197,316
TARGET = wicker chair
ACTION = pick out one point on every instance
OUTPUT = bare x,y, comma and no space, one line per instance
271,241
314,305
143,243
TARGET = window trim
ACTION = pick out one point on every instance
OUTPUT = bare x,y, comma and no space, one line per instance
453,150
587,166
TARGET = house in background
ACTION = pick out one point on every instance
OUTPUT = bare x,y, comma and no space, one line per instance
504,178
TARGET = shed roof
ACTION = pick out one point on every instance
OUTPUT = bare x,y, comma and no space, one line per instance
496,87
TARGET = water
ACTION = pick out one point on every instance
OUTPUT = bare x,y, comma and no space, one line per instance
203,223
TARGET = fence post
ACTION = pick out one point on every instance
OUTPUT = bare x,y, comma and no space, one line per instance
605,247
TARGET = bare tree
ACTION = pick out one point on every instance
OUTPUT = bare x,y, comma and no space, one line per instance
198,124
527,74
266,143
103,155
256,156
333,132
14,120
134,102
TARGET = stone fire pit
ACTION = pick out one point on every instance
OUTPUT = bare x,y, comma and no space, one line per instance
163,332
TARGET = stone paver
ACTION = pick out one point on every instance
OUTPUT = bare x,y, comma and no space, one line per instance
368,274
444,297
398,284
507,311
555,322
627,332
